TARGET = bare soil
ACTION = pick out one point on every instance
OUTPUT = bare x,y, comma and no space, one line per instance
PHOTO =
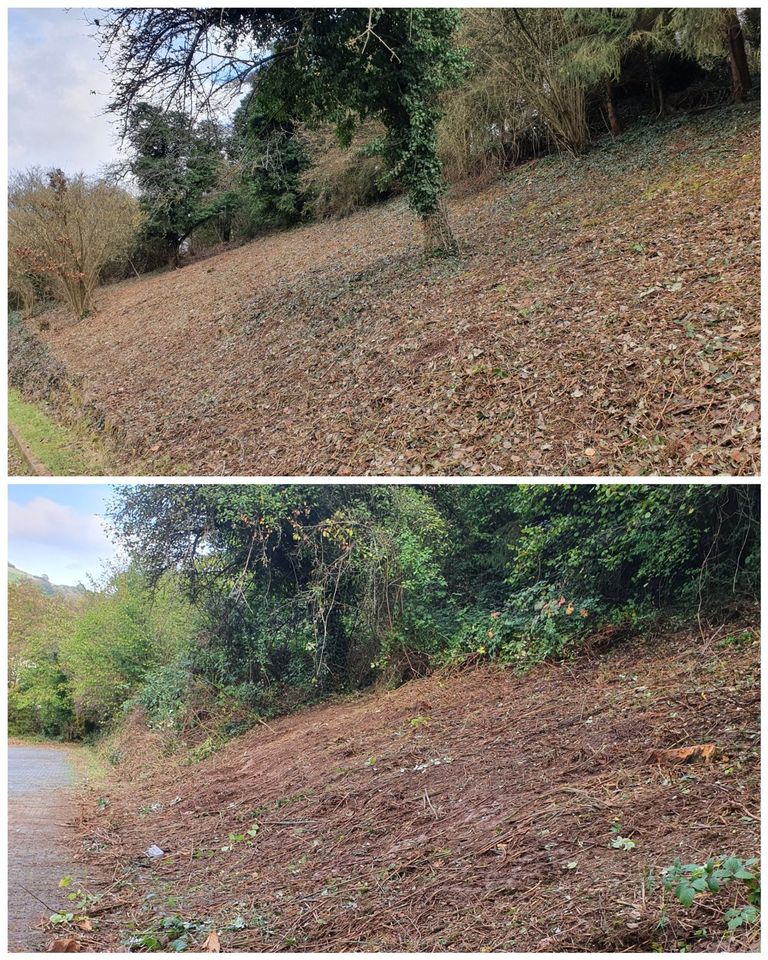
601,318
474,810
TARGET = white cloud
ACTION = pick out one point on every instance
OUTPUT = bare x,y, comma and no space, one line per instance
54,116
41,521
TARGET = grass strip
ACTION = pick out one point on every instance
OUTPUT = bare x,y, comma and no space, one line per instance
57,449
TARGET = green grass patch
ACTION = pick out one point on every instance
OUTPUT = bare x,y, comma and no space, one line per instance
63,451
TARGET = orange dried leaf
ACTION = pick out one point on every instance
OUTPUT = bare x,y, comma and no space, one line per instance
212,943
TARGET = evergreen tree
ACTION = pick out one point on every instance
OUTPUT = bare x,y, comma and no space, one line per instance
176,166
266,148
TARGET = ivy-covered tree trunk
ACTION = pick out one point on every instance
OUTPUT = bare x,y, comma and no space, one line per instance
438,236
741,82
414,138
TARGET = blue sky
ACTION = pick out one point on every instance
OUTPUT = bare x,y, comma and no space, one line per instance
57,92
59,530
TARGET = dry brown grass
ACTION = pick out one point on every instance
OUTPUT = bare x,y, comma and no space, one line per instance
340,179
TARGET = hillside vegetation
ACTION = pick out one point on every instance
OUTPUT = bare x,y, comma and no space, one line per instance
412,717
43,583
602,316
476,810
239,603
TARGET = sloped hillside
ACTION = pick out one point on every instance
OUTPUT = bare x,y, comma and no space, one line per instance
43,583
474,810
602,318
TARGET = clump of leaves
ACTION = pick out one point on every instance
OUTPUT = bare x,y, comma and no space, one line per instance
59,918
169,934
203,750
736,639
250,920
81,900
690,880
623,843
737,916
247,838
416,722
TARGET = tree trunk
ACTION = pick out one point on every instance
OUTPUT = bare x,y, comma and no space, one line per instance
438,236
610,108
657,91
741,82
173,252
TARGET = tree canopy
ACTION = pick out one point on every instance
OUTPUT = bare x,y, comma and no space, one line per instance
339,65
175,163
274,596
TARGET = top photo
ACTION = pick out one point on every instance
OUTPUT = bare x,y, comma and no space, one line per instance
444,242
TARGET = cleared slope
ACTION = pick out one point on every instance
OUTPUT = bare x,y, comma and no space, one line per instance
603,317
468,811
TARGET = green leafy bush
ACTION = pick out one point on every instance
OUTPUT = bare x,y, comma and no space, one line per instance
691,880
534,624
162,695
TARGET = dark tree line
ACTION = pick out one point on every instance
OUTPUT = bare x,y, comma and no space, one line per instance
331,586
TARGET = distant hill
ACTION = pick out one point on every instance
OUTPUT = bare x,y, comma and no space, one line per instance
43,583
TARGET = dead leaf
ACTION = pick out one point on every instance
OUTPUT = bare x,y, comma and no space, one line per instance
68,945
212,943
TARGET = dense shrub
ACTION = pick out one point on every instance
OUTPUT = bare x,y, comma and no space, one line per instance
39,699
162,695
78,659
245,601
328,588
65,232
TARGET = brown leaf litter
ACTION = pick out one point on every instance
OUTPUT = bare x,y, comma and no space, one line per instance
470,811
602,318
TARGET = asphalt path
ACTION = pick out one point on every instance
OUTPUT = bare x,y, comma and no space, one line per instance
40,782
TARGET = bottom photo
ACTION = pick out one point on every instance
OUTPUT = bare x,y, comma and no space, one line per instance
384,717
